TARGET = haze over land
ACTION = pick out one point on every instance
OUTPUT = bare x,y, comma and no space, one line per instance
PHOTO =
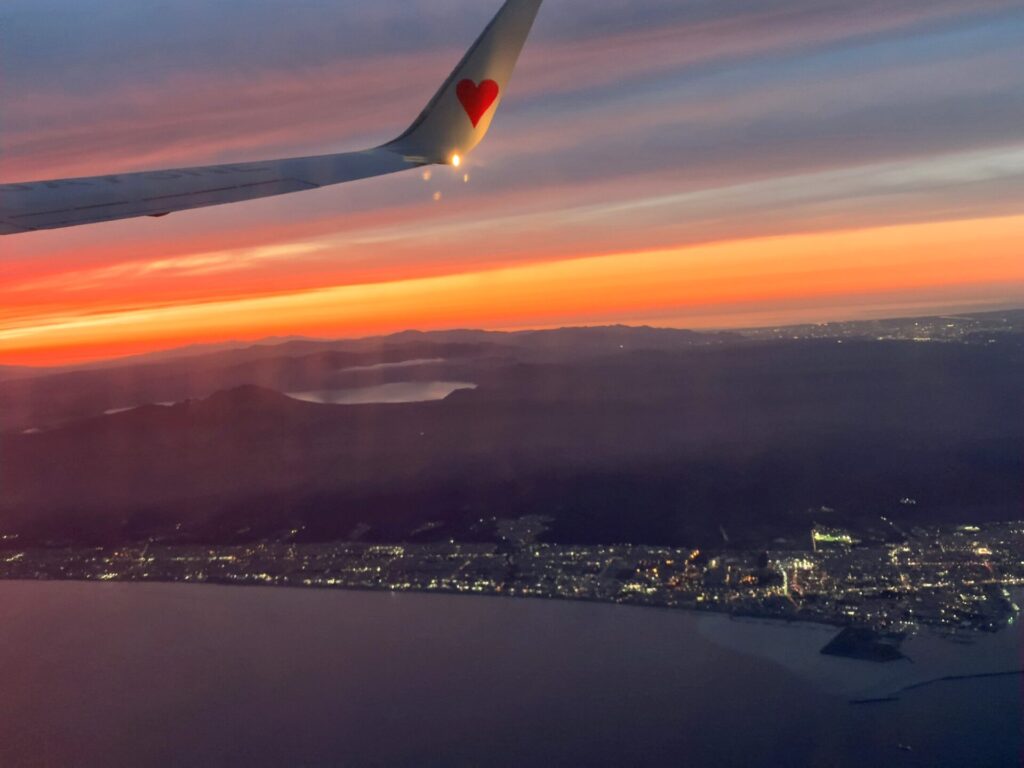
617,434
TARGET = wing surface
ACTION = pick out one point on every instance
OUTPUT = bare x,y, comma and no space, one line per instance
69,202
452,124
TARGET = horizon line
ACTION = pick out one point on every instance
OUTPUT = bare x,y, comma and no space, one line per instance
200,349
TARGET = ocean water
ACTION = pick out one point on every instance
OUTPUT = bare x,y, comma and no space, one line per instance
148,674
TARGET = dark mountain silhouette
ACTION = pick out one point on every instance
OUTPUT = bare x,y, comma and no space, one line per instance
300,365
623,443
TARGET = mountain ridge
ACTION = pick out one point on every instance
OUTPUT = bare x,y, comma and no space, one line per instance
647,446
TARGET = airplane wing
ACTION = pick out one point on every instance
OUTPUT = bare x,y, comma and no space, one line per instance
451,125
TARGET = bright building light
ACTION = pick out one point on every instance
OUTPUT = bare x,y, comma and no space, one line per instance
456,160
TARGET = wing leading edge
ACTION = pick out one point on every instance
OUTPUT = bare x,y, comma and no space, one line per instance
452,124
70,202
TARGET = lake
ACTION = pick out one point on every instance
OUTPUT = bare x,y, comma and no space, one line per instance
165,674
394,392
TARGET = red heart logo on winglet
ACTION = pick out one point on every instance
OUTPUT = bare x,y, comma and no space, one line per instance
476,99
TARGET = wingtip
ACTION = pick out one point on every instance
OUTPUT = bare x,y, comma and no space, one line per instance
459,115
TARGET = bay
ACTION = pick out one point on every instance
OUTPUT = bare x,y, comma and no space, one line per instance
166,674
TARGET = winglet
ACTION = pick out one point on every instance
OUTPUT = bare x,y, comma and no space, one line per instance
458,116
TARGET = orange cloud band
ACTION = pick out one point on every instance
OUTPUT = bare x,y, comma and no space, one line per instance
891,261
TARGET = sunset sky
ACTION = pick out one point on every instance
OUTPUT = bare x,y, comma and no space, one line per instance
694,163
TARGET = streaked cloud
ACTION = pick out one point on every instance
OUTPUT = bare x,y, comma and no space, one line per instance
180,266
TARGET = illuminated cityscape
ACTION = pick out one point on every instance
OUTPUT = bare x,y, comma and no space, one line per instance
953,579
969,328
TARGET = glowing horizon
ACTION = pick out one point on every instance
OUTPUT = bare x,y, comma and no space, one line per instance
701,282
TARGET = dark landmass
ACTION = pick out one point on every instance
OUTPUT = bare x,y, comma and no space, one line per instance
971,327
8,372
638,435
865,644
50,399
